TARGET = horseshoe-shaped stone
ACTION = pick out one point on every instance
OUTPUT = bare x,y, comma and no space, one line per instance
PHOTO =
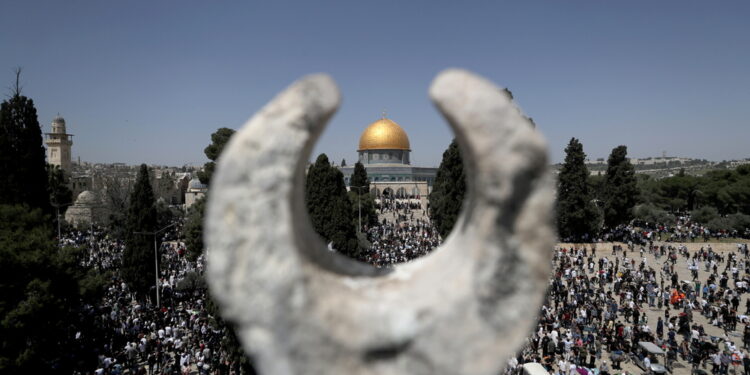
301,309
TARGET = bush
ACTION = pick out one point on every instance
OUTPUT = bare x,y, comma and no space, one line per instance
192,282
719,223
653,215
704,214
739,222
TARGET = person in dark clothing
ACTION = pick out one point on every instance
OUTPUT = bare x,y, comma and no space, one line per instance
660,328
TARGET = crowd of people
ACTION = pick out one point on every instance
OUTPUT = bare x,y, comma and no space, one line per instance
684,229
399,242
178,336
602,303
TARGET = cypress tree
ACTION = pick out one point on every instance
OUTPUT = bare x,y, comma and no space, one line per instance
138,268
359,182
577,216
362,201
193,229
620,188
22,156
448,190
59,191
329,207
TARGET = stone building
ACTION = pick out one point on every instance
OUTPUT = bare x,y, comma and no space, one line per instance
87,209
195,191
384,150
59,143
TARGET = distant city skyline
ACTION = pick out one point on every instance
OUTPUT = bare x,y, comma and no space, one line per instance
144,82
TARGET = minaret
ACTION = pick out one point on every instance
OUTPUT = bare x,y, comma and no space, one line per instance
58,145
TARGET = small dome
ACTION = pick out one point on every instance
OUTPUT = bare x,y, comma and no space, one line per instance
384,134
195,183
87,198
58,120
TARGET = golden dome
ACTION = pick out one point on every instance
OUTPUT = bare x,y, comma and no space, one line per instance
384,134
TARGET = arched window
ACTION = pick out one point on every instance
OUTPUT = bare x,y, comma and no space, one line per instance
401,193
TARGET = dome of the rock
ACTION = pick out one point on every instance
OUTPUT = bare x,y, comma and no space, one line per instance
384,134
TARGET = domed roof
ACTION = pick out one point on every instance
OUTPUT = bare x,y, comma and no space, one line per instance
195,183
58,120
384,134
87,198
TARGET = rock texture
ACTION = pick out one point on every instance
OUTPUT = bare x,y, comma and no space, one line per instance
300,309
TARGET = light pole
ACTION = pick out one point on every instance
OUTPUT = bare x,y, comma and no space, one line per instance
156,258
57,208
359,208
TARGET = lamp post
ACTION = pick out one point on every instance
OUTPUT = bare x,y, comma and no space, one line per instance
156,258
359,208
57,209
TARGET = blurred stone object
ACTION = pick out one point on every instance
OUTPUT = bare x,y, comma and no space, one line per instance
300,309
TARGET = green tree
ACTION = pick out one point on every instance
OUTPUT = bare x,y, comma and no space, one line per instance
329,206
651,214
22,157
577,215
596,186
343,162
59,192
219,140
193,229
704,214
165,214
620,188
362,201
448,190
43,289
138,268
360,180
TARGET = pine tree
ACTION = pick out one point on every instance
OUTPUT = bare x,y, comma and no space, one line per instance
448,190
343,162
219,140
329,207
22,157
577,215
138,259
43,289
620,188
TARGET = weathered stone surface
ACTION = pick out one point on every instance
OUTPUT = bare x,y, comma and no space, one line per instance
463,309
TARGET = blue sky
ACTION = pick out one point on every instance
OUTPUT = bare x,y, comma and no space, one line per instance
150,81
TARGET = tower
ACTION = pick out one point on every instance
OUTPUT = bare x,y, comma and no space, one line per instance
58,144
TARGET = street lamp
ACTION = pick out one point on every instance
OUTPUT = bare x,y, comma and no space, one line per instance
57,208
156,257
359,208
